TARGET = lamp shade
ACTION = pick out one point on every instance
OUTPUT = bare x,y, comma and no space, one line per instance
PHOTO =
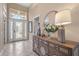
63,17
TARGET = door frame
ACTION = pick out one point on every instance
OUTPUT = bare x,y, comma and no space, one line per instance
38,16
14,34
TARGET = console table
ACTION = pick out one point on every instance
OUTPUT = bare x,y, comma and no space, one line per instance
45,46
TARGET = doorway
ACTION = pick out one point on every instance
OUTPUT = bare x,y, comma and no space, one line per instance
17,30
36,22
17,25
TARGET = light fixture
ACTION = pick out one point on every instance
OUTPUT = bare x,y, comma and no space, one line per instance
62,18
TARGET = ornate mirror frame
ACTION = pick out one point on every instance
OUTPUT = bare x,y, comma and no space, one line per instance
50,12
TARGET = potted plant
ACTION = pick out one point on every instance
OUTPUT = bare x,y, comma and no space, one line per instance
50,28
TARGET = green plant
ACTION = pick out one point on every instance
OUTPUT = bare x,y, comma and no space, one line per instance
51,28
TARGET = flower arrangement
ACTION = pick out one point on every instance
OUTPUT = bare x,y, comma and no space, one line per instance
51,28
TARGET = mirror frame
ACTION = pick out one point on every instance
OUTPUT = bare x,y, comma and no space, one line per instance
48,14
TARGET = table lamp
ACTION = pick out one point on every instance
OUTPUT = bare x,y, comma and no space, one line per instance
62,18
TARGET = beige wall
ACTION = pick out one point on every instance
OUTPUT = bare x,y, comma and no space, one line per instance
72,30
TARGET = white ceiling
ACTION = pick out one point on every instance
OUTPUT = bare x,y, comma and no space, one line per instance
25,4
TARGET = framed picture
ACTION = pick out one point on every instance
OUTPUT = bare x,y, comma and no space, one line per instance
30,26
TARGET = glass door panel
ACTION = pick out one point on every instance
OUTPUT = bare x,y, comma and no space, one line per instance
18,30
11,30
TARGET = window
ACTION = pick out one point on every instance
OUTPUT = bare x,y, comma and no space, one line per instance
17,14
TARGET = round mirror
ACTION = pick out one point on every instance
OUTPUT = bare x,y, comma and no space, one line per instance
50,17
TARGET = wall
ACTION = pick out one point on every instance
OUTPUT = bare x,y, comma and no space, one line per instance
72,30
3,11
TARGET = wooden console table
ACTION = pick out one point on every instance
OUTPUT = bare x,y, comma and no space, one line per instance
45,46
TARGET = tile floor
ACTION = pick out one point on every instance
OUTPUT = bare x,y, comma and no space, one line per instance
21,48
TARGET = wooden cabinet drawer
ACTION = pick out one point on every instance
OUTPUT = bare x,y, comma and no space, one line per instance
52,49
62,51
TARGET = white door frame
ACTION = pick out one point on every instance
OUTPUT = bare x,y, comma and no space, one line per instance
14,30
35,23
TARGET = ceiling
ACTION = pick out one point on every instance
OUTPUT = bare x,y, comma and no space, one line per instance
27,5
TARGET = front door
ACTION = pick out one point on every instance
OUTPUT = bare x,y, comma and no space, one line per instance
17,30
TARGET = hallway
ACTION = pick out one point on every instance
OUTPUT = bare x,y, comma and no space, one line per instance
21,48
